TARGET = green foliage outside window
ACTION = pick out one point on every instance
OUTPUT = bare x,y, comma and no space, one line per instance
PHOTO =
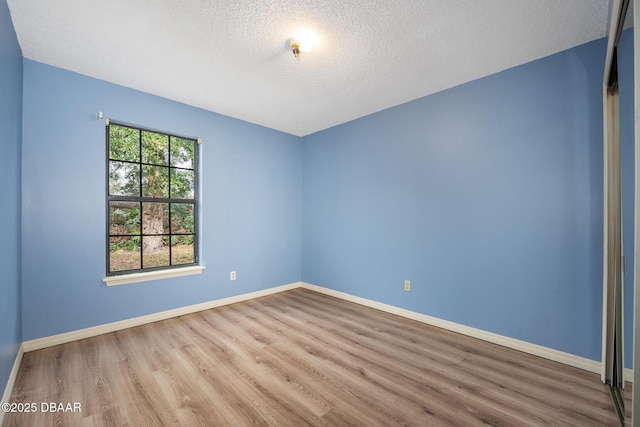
151,199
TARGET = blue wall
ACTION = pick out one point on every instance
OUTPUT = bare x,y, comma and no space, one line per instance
250,204
10,136
487,196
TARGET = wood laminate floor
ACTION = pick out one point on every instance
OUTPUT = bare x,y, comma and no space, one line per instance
301,358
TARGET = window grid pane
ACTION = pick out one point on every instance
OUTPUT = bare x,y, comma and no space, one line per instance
182,253
123,143
124,178
124,253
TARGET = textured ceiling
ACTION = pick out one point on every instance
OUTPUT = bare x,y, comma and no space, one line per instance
233,56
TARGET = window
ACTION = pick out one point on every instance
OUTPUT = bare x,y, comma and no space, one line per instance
152,205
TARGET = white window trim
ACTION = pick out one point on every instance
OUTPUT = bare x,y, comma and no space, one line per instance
125,279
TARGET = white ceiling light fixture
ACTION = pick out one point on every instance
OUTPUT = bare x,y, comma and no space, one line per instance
302,44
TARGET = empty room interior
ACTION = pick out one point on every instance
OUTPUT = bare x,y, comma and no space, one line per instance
317,213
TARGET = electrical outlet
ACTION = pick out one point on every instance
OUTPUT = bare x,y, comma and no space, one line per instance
407,285
232,275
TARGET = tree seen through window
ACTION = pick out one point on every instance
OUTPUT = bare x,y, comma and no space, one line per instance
151,200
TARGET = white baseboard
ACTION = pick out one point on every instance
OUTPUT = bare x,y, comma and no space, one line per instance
6,396
534,349
93,331
526,347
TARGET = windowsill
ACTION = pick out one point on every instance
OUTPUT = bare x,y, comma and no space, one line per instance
152,275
